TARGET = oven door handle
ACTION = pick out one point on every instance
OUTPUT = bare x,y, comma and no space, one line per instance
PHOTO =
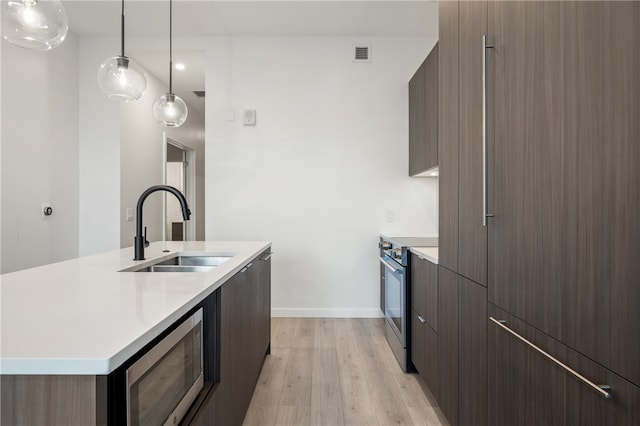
390,266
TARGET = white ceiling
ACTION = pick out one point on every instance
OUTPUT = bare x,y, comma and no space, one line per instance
244,18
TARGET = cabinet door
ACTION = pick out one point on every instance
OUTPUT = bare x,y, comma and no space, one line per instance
448,344
472,364
524,388
430,118
473,235
607,319
533,237
424,289
417,124
527,388
448,132
234,339
417,342
418,278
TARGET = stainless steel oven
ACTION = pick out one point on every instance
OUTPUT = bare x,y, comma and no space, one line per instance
395,310
394,257
164,382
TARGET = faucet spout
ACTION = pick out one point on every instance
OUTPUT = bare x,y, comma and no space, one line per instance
140,240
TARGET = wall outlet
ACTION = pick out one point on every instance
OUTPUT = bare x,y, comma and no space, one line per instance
45,210
129,214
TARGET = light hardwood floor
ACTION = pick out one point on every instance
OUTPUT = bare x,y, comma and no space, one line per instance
336,371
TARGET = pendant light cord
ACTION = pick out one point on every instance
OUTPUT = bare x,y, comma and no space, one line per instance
170,47
122,30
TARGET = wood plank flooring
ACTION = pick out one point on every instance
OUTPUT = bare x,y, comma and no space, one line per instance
336,371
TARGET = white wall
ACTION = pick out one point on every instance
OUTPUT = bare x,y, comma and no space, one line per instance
141,159
39,155
99,174
121,153
325,162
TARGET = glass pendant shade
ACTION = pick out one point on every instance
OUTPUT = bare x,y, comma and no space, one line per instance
122,79
170,110
36,25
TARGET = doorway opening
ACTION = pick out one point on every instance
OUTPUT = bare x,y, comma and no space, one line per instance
179,172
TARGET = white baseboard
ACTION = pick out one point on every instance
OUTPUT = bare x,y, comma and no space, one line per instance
326,313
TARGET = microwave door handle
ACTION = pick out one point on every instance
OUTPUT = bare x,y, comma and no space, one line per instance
390,266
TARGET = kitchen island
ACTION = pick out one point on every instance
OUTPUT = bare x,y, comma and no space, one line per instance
80,320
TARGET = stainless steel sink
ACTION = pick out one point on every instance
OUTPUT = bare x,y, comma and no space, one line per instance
176,268
195,260
183,263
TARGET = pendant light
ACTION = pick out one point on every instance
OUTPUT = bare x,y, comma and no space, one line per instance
34,24
119,77
170,109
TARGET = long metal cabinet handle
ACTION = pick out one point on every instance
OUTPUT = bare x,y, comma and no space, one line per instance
484,128
602,389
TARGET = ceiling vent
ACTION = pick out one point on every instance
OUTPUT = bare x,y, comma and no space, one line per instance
199,93
362,53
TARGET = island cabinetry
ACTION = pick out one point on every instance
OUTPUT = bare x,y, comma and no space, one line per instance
54,400
244,341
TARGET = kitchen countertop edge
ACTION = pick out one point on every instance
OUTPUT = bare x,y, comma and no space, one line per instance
244,253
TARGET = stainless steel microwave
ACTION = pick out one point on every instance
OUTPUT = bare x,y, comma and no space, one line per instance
164,382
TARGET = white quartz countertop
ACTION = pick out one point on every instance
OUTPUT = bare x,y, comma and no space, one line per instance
83,317
426,253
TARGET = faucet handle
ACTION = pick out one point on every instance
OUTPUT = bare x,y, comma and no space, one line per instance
146,243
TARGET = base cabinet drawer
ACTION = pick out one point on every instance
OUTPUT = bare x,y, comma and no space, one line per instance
528,388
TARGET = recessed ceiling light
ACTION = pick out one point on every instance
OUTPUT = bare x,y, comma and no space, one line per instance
180,66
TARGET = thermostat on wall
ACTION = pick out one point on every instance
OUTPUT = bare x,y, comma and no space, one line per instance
249,117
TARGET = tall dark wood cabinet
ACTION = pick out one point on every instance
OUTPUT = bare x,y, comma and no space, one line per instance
448,132
563,245
472,228
559,255
423,116
462,283
607,321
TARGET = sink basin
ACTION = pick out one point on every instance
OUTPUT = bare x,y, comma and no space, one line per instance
176,268
183,263
195,260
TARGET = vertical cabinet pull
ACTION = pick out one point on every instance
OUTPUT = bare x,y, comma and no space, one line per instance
484,129
601,389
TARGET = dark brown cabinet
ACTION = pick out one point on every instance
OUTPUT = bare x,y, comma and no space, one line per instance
462,349
448,344
424,320
424,289
244,341
448,132
472,237
423,116
559,254
531,389
564,241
